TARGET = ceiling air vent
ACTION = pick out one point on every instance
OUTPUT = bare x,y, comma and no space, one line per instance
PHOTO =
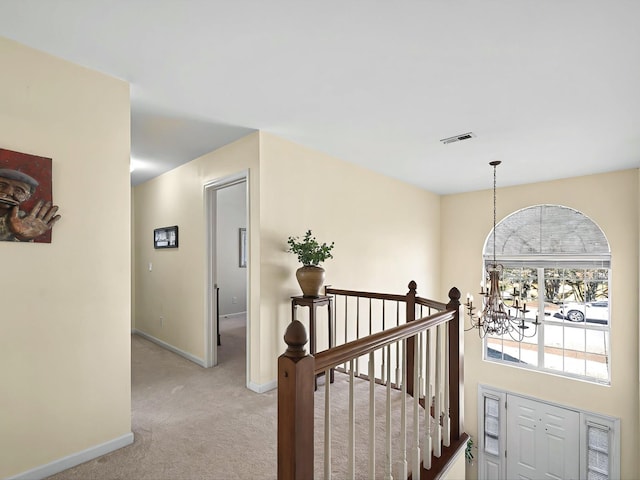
458,138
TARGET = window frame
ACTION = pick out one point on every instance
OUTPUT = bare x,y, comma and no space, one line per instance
541,262
612,426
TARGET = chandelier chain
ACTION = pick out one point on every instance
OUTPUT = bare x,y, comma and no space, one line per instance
494,213
495,317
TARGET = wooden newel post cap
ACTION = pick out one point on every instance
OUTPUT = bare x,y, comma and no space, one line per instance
413,286
296,338
454,296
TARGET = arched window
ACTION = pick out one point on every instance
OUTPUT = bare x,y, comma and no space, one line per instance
557,261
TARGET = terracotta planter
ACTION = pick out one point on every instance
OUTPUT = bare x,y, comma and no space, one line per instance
310,279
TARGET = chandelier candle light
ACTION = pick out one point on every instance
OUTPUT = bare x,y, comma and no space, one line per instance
496,318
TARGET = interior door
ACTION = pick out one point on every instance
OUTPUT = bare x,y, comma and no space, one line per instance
543,440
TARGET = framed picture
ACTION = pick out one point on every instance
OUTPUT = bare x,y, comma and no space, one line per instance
165,237
243,248
25,182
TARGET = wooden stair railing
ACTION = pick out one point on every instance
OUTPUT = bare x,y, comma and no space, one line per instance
297,370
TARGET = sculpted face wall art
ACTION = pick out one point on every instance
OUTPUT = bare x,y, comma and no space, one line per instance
27,213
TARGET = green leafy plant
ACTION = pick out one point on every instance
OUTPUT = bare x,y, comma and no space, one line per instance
308,250
468,451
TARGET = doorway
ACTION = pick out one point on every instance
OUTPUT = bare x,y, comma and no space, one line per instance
530,438
227,267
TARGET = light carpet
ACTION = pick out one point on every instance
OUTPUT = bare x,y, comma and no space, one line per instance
192,423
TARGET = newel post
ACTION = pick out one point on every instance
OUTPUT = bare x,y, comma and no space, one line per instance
456,366
411,316
295,406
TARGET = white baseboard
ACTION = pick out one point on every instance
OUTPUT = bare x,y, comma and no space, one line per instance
233,315
262,387
256,387
74,459
171,348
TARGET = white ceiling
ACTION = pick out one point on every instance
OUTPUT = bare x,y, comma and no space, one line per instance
551,88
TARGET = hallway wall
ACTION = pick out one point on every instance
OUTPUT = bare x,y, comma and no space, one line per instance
65,321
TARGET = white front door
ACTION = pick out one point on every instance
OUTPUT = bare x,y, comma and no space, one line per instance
543,441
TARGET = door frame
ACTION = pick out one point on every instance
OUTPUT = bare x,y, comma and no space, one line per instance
210,341
586,418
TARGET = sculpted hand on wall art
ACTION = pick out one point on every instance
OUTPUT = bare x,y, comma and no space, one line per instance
27,213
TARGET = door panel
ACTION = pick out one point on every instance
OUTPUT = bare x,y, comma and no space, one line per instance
492,469
521,427
543,440
560,443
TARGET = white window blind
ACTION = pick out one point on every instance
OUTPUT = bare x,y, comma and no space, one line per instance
547,230
491,426
597,452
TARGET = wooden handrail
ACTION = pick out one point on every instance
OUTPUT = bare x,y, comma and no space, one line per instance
354,293
385,296
425,302
356,348
297,371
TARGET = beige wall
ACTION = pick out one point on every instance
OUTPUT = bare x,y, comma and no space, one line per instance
611,201
133,262
386,234
457,469
65,341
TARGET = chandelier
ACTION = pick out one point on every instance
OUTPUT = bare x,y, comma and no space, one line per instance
496,318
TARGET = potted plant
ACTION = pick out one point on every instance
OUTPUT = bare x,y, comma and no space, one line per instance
310,254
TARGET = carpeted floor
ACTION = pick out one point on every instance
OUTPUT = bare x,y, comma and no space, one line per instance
192,423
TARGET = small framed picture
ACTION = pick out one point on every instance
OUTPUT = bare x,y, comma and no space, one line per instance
165,237
243,248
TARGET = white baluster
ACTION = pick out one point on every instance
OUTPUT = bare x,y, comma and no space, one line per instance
351,470
357,333
398,348
403,466
446,420
398,380
427,447
383,369
388,475
437,409
421,377
415,469
372,416
346,324
327,425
